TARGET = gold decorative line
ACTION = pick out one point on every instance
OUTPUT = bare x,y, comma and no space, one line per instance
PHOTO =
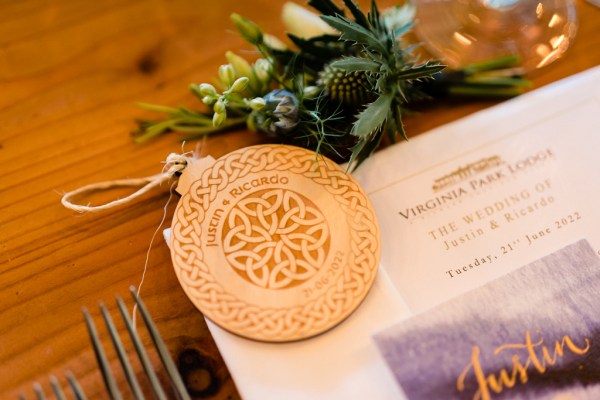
463,173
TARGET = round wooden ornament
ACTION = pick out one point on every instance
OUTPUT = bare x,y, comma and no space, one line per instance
274,243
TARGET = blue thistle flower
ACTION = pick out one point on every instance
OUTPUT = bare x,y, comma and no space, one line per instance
279,116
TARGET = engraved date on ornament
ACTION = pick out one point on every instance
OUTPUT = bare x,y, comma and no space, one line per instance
325,279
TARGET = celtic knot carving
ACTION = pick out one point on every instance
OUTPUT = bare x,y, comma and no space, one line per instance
274,323
276,238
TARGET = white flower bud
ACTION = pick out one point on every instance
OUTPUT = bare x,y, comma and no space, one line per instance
239,85
257,103
310,92
399,16
218,119
240,65
303,23
226,74
220,106
249,30
274,42
263,69
206,89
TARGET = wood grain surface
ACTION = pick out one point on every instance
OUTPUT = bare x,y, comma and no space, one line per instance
70,72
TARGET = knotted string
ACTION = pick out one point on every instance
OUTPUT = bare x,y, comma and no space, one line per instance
174,165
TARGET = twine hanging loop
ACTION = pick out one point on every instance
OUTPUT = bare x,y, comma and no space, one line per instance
174,165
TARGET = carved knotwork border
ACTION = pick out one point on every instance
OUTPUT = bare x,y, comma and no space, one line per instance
275,324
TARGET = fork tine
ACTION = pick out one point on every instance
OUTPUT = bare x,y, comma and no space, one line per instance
77,390
56,388
139,348
118,344
109,380
37,388
165,356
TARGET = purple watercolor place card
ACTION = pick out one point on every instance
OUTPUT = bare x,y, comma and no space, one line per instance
532,334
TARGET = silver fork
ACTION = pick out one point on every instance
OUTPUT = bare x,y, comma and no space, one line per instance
134,385
59,394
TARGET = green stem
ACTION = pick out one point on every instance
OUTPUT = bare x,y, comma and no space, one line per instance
157,108
484,91
496,63
230,123
497,81
187,126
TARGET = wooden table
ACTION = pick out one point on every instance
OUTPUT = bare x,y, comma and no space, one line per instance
70,72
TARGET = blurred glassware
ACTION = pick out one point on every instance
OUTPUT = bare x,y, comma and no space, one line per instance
462,32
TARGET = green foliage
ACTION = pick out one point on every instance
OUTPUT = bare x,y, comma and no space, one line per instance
369,125
351,64
353,32
337,94
378,52
326,7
